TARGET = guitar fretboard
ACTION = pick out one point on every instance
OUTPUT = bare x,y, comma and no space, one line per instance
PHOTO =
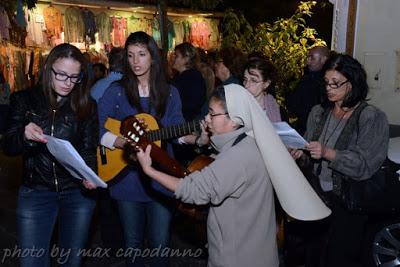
173,131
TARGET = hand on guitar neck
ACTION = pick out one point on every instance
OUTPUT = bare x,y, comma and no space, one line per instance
168,181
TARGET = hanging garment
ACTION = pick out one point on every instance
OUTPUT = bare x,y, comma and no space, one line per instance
53,21
104,28
35,28
90,24
119,31
5,25
75,29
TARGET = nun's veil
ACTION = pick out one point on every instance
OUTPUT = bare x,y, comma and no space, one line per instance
294,192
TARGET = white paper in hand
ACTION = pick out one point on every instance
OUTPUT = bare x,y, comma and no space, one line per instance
66,154
289,136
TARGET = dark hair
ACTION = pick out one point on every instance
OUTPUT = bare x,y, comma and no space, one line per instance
234,59
354,73
116,59
219,95
80,100
256,54
188,50
101,67
267,71
158,86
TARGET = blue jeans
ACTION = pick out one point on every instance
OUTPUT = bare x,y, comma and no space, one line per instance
37,213
138,218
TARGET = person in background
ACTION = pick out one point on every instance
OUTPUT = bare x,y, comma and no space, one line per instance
60,106
348,139
309,91
207,72
99,71
189,81
115,60
192,89
259,80
241,227
144,207
229,65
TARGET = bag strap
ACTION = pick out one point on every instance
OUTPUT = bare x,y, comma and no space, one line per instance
239,138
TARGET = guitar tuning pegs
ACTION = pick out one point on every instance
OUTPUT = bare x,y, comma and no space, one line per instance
141,132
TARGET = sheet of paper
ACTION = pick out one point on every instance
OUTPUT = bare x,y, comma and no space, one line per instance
289,136
66,154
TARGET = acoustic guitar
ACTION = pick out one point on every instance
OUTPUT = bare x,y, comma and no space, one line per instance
111,162
134,130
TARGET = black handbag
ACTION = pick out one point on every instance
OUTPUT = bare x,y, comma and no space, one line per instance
379,194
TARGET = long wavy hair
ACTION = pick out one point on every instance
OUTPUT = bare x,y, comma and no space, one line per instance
158,86
80,101
188,50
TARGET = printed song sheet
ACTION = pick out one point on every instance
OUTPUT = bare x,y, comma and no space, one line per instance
66,154
289,136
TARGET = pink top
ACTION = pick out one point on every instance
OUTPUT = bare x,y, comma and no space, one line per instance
271,108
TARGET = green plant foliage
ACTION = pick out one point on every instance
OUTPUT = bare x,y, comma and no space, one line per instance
285,42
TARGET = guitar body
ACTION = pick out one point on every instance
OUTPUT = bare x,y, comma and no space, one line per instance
196,212
116,160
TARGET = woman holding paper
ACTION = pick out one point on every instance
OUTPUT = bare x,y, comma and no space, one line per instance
348,138
58,106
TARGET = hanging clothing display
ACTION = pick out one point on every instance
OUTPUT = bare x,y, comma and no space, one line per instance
14,62
200,33
155,26
90,24
75,30
20,16
53,21
119,25
5,25
103,25
35,28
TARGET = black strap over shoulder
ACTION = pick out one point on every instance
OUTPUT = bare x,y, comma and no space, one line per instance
239,138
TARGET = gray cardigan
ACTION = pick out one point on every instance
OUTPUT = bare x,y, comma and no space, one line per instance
366,145
241,227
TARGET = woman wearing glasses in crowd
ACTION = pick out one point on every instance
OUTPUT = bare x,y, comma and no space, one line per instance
259,80
144,207
58,106
344,144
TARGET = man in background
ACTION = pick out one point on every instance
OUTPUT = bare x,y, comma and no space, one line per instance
310,88
115,60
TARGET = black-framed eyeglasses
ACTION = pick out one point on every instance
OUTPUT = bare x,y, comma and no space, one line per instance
62,77
217,114
252,81
335,85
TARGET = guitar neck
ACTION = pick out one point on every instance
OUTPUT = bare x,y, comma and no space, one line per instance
167,164
173,131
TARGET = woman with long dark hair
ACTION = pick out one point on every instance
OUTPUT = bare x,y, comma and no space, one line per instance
59,106
143,88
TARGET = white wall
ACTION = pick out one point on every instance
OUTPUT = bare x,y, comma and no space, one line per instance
376,41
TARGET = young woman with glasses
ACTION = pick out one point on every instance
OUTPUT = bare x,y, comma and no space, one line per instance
58,106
